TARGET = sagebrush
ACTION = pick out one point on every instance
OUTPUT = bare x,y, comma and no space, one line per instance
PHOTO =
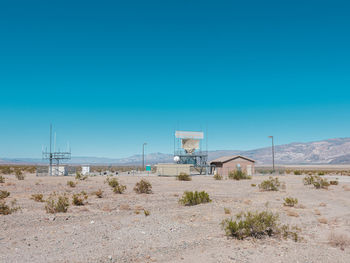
183,177
143,187
194,198
57,203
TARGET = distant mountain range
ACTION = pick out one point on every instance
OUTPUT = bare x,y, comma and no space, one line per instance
332,151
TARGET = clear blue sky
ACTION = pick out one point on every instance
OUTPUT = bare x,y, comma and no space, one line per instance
110,75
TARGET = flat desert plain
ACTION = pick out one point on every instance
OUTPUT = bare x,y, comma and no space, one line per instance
115,228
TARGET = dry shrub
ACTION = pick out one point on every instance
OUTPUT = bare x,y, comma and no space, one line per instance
57,203
290,201
322,204
257,225
218,177
317,181
37,197
292,213
334,182
272,184
117,188
301,206
4,194
247,202
124,207
146,212
2,179
183,177
297,172
80,177
338,240
6,209
99,193
194,198
19,175
227,211
253,185
143,187
79,199
238,175
323,220
71,184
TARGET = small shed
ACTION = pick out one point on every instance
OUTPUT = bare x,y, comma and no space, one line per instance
173,169
225,164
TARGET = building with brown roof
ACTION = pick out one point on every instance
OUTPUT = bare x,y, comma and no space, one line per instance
225,164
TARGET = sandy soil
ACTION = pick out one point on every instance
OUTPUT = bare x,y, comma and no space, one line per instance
109,230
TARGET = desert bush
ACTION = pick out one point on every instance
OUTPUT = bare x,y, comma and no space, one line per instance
290,201
194,198
112,182
319,183
143,187
79,199
5,169
238,175
308,180
257,225
71,184
2,179
37,197
253,185
79,176
218,177
183,177
338,240
146,212
57,203
119,189
272,184
4,194
227,211
297,172
19,175
99,193
321,173
6,209
335,182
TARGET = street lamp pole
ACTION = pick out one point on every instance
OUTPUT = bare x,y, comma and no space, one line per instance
273,155
143,155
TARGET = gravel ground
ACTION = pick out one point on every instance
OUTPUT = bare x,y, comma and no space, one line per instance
108,229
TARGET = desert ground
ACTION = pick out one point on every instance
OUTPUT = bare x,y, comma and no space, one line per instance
114,228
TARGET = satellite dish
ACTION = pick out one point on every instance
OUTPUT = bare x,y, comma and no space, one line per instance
176,159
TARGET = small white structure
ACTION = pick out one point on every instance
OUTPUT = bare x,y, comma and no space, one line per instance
171,169
85,170
60,170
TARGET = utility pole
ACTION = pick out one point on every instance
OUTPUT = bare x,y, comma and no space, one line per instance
273,155
143,155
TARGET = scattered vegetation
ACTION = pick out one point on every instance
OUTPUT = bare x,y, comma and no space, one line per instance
71,184
37,197
143,187
6,209
227,211
257,225
272,184
146,212
290,201
99,193
183,177
2,179
308,180
320,173
57,203
238,175
79,199
334,182
194,198
117,188
320,183
218,177
19,175
4,194
253,185
79,176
